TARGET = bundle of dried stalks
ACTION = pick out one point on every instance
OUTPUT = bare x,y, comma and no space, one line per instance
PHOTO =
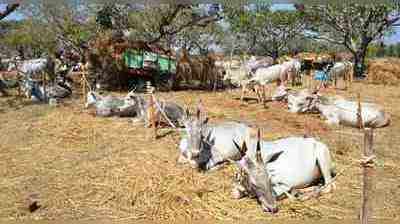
384,71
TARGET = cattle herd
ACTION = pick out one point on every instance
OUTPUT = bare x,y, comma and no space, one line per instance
267,170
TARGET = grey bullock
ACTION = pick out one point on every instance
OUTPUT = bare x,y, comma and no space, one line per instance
134,105
107,106
37,92
269,171
206,146
298,101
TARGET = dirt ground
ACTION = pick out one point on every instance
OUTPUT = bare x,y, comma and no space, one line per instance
77,166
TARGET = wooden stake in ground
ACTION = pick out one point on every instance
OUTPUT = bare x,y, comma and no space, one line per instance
44,86
84,82
368,176
152,115
359,115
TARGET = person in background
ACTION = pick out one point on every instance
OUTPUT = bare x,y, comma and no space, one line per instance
321,75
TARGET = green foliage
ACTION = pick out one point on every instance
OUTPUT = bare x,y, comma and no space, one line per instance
352,25
104,17
372,51
397,50
266,32
32,37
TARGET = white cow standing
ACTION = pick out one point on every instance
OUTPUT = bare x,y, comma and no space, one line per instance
263,76
343,70
33,67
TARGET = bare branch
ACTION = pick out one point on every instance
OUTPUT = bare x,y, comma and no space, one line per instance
201,21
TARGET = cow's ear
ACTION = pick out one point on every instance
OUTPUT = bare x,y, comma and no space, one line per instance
200,109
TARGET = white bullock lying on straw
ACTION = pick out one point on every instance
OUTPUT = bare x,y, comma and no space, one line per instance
340,111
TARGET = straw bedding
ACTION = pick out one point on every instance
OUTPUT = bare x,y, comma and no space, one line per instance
78,166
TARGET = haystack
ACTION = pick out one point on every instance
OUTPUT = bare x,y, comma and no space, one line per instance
384,71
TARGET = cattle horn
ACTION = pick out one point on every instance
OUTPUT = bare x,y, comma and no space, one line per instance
258,150
242,149
199,109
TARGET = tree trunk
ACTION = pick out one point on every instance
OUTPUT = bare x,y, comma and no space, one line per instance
359,62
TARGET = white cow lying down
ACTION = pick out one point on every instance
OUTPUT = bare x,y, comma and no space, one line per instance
344,112
339,111
270,170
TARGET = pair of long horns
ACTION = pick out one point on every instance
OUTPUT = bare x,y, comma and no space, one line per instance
243,149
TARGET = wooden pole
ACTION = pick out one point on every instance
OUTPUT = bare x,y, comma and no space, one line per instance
44,86
83,81
152,116
368,176
359,114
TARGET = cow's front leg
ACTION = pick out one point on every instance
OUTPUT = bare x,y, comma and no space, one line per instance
243,92
257,90
266,97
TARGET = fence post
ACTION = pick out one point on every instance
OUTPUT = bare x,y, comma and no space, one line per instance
368,176
359,114
152,116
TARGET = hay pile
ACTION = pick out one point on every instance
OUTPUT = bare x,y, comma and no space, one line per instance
384,71
85,167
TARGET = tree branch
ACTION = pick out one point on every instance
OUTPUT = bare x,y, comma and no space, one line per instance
201,21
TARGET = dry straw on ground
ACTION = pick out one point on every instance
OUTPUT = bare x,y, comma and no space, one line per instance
384,71
83,167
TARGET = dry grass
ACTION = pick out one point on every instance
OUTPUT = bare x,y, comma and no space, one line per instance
83,167
384,71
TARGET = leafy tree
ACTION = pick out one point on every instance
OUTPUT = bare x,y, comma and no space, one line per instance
167,21
351,25
266,32
29,39
372,51
381,50
66,23
390,51
397,50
